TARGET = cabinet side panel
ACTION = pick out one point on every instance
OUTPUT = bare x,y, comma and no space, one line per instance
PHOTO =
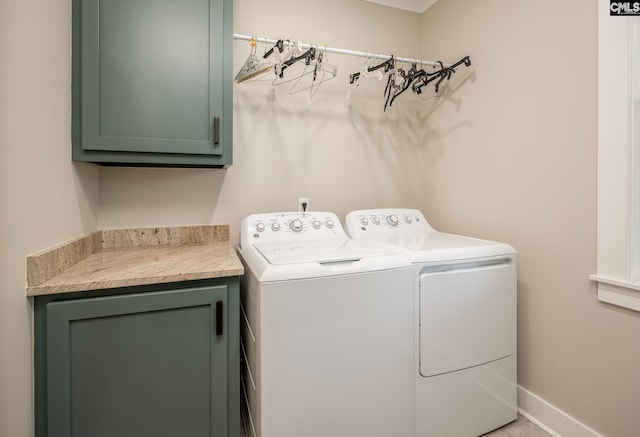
233,371
227,83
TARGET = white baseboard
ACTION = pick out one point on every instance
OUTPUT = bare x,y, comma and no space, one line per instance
550,418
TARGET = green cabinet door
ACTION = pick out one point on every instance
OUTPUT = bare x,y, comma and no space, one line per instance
141,364
152,82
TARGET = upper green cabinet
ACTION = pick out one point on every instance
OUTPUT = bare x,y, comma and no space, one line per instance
152,82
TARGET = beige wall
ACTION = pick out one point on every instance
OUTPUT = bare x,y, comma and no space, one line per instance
341,154
44,198
511,156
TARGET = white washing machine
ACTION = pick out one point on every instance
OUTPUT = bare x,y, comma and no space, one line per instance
465,322
327,336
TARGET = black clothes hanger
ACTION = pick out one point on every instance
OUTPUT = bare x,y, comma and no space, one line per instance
408,78
279,45
443,73
308,56
387,65
421,78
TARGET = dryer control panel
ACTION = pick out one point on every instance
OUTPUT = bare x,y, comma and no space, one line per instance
385,222
290,226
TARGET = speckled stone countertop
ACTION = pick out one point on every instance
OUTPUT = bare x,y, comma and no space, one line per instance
128,257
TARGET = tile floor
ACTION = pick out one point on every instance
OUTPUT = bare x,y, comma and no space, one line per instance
520,428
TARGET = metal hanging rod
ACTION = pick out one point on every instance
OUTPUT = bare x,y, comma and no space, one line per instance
305,46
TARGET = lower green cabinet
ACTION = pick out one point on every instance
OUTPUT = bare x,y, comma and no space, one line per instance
147,361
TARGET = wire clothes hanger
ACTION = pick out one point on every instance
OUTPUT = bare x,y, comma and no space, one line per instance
319,71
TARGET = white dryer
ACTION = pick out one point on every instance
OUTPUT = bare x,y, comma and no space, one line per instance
465,322
327,337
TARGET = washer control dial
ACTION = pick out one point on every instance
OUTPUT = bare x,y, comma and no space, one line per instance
407,219
376,221
275,226
364,221
316,224
296,225
260,227
392,220
329,224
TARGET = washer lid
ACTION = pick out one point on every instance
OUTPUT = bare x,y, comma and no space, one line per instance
319,251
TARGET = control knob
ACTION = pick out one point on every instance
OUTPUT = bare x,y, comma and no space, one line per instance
260,227
392,220
275,226
329,224
315,224
364,221
296,225
407,219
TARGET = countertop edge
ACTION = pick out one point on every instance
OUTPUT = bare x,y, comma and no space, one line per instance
47,270
46,290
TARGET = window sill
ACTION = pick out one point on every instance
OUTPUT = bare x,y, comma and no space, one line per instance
616,292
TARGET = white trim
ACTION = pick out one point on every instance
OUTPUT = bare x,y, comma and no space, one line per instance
618,252
550,418
634,153
418,6
616,292
616,282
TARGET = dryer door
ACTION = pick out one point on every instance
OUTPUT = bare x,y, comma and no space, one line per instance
467,316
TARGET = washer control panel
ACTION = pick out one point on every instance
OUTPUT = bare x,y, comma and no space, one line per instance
386,221
290,226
